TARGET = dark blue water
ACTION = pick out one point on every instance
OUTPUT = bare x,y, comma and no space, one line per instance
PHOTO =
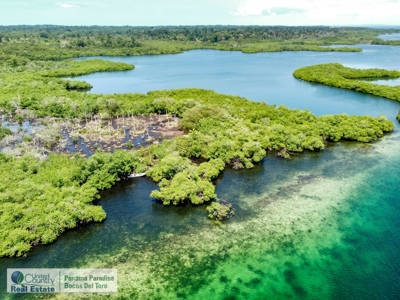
319,226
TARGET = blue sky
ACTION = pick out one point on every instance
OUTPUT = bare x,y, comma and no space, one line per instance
200,12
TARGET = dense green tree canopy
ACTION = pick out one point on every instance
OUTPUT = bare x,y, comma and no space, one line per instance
41,199
42,196
21,43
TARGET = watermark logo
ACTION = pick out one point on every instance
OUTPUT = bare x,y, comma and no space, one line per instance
32,280
61,281
17,277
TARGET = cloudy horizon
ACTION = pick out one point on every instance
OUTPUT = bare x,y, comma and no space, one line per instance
201,12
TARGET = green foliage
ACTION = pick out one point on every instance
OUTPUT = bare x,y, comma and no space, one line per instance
181,180
27,138
167,105
75,68
211,169
200,115
189,184
378,41
221,210
294,47
240,135
129,145
168,166
71,37
20,44
45,95
4,131
336,75
41,199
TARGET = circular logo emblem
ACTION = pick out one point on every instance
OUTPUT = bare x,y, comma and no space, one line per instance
17,277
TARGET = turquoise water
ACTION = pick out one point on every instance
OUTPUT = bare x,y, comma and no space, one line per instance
319,226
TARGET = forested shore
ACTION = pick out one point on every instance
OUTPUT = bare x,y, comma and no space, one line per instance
43,193
47,42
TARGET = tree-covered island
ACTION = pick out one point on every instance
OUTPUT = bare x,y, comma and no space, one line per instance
45,189
337,75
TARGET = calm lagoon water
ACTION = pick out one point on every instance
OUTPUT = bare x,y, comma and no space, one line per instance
390,36
261,76
390,82
319,226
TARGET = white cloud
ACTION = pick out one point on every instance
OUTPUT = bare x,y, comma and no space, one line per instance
66,5
257,7
321,11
